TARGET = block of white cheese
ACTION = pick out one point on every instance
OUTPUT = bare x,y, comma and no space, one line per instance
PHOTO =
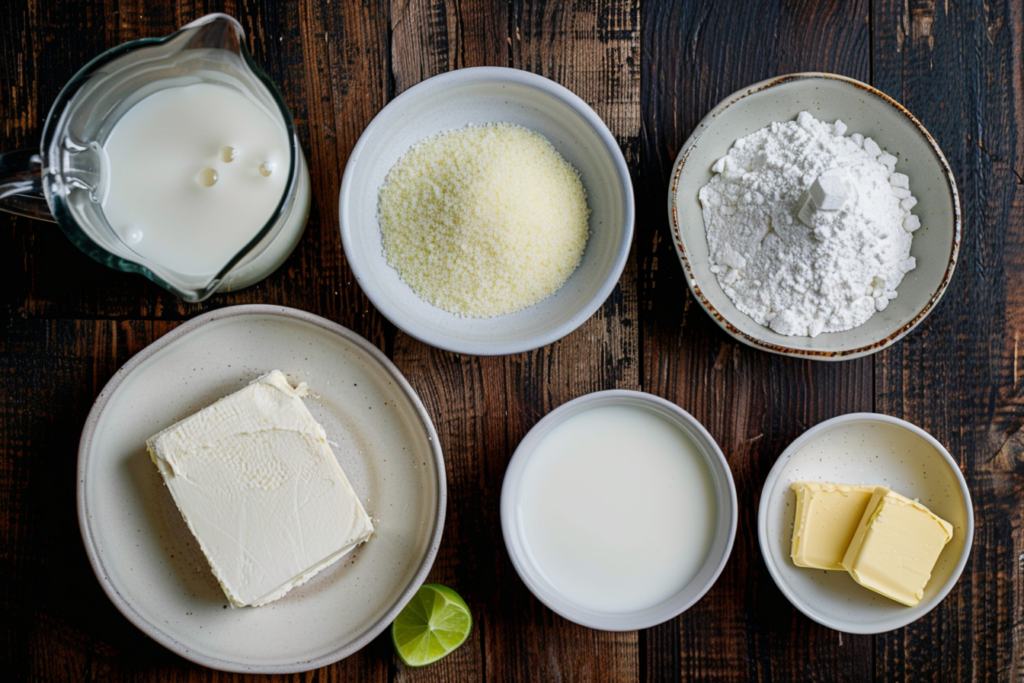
260,489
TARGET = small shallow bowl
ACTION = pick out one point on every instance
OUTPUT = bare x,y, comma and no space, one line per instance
867,111
477,96
727,512
863,448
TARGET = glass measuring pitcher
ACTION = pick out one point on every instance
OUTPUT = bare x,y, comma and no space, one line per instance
69,179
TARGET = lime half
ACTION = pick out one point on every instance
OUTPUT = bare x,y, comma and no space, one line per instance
434,624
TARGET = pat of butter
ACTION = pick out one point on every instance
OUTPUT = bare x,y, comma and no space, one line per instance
896,546
260,489
827,516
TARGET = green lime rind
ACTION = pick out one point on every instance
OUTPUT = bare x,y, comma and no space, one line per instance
432,626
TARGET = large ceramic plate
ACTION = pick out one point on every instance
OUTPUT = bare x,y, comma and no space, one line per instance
144,555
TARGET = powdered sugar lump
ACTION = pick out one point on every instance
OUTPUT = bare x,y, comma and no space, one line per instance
844,265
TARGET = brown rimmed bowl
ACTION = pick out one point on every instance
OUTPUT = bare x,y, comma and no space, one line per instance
869,112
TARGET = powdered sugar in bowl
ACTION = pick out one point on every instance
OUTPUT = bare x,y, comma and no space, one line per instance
910,283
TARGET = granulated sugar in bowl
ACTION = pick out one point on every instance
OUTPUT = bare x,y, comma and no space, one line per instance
483,220
464,101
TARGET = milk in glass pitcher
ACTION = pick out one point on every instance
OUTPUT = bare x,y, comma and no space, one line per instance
173,157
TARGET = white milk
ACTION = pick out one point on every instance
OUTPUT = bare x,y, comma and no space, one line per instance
617,508
194,173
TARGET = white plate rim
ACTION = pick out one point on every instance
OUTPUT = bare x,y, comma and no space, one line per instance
126,606
776,473
717,316
380,298
657,614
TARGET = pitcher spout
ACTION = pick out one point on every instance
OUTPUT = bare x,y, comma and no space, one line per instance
215,31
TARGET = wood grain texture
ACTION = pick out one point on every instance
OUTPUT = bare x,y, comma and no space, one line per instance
957,66
651,71
484,406
753,403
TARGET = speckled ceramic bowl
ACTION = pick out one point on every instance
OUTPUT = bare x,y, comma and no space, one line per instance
876,450
477,96
867,111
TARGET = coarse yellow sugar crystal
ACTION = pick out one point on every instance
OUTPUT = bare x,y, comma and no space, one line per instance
484,220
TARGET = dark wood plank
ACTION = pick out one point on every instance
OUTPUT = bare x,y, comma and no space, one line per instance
957,66
753,403
51,371
484,406
338,83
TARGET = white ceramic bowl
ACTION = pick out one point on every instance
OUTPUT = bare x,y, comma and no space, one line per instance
477,96
863,448
867,111
727,512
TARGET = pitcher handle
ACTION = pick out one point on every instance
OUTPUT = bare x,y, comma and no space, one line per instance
21,185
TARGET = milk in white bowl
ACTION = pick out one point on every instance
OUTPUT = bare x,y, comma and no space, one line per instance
195,172
618,510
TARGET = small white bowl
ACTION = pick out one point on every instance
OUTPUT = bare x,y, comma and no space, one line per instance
477,96
727,512
867,111
871,449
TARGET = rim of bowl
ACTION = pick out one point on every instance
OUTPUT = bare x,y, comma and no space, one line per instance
754,341
765,543
127,607
379,296
717,465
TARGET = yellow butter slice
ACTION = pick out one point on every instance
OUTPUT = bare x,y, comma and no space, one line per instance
896,546
827,516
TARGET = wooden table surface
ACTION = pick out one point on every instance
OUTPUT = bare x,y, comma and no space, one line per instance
651,71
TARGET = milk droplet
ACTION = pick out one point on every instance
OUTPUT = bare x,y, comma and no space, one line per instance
266,168
207,177
133,235
228,154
